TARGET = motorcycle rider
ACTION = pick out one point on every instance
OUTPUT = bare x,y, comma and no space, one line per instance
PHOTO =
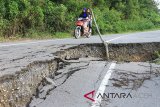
90,19
84,14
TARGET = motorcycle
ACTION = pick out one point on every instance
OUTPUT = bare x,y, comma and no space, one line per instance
82,28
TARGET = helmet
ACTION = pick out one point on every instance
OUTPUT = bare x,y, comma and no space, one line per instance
84,9
88,10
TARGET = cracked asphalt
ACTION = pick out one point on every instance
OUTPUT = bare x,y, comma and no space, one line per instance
17,55
75,80
141,80
67,89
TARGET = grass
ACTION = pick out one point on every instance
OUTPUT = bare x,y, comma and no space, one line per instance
62,35
134,31
157,61
36,36
157,55
46,35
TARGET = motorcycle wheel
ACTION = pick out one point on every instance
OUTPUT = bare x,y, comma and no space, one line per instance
77,32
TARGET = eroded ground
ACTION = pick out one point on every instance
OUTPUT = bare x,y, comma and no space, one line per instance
60,75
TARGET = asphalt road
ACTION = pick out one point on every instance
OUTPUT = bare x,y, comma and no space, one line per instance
139,37
89,75
126,78
17,55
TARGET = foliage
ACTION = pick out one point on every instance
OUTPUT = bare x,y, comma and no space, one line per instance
157,56
23,17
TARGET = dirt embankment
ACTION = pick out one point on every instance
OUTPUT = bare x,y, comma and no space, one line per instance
139,52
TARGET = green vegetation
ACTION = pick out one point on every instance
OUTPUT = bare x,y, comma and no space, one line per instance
56,18
157,55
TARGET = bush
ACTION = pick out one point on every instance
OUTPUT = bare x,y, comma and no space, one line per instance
55,17
20,17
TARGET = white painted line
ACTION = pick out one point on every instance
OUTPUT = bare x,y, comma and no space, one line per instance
17,44
43,41
115,38
102,87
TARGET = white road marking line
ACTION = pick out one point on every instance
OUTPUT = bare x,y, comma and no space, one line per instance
102,87
115,38
16,44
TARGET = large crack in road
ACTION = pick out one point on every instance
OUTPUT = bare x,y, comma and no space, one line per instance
50,83
134,80
20,90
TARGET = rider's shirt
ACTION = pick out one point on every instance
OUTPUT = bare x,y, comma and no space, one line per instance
84,15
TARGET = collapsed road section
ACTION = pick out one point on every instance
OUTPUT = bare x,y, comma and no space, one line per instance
16,90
